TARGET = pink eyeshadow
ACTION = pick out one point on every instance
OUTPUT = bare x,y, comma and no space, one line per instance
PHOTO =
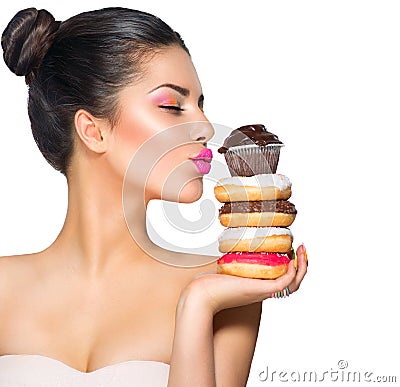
163,97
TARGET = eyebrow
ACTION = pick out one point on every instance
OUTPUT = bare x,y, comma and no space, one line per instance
181,90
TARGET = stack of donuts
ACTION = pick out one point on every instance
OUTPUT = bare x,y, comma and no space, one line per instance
257,242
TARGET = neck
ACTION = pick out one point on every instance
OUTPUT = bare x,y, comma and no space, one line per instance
95,237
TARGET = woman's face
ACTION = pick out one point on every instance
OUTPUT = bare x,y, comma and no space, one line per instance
161,126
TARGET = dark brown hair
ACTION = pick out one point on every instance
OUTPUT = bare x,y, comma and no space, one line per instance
81,63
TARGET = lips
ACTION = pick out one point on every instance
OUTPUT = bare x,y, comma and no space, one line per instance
205,154
203,160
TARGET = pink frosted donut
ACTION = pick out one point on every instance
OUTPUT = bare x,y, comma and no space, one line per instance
254,264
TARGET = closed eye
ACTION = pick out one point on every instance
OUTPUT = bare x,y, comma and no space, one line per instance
171,107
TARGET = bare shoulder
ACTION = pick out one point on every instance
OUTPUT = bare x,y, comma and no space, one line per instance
208,268
180,277
17,263
8,275
190,273
15,271
8,267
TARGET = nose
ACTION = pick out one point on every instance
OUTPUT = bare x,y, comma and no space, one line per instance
202,130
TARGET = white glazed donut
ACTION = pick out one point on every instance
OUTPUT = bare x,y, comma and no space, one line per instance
255,239
258,187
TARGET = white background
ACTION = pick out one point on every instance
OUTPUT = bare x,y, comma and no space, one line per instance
324,76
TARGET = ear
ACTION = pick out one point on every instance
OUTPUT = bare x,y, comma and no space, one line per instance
92,131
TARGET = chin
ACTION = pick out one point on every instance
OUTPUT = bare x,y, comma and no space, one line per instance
192,191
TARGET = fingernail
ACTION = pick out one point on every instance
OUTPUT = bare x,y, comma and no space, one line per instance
305,254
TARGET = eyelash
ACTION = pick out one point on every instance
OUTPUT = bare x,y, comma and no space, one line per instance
177,108
171,107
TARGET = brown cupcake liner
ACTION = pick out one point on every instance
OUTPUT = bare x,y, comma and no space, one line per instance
250,160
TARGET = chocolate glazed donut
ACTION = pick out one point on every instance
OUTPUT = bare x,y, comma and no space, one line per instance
280,213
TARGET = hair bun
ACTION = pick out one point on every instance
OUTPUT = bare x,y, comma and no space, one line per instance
26,40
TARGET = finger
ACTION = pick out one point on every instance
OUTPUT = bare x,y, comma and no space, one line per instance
303,262
285,280
302,268
261,288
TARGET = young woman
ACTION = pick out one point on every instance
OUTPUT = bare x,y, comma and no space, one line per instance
95,307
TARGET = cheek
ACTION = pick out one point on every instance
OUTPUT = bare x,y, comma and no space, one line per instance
174,178
139,125
157,157
133,131
129,136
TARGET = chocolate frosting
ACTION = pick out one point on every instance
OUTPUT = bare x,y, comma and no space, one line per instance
249,135
282,206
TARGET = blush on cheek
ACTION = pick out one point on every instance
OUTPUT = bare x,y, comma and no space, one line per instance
134,136
134,130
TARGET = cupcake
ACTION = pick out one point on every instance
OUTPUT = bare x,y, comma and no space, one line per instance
251,150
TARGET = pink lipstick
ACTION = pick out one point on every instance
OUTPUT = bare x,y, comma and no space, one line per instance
203,161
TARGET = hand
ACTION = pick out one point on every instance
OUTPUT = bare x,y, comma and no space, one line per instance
221,291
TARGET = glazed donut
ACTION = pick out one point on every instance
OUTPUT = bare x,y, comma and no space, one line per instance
249,188
255,239
278,213
254,265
